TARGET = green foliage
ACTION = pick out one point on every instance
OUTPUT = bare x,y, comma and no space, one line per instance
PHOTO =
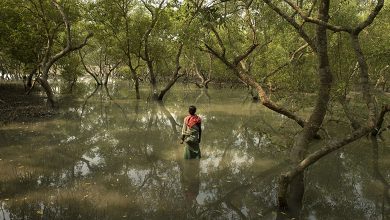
28,26
120,27
70,68
19,39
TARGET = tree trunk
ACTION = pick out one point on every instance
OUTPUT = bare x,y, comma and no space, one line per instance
297,172
49,92
241,72
152,78
381,118
107,75
136,81
364,78
303,139
29,82
48,61
167,87
98,81
206,83
175,75
265,99
348,113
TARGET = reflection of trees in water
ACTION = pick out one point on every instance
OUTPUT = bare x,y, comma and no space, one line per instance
121,154
171,119
203,93
231,160
384,205
345,184
151,132
136,164
141,171
258,191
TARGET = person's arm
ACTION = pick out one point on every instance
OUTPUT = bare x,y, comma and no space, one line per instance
200,132
182,138
183,130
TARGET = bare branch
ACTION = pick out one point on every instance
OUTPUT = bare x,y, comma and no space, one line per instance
66,22
292,58
311,8
336,28
175,75
68,47
332,146
115,66
88,70
238,59
219,40
370,18
307,18
219,56
381,117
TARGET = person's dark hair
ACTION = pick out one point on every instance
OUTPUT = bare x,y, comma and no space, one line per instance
192,110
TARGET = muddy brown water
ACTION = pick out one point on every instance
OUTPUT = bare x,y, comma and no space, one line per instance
109,156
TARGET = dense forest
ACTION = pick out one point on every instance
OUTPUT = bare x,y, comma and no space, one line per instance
333,56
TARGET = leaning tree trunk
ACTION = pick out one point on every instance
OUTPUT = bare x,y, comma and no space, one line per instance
155,13
175,75
48,61
136,82
49,92
372,122
168,87
95,77
293,188
30,76
110,70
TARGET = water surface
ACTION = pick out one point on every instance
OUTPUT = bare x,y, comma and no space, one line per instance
109,156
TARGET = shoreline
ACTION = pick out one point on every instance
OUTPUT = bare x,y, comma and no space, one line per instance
16,106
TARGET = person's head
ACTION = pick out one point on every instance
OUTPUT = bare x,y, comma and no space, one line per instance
192,110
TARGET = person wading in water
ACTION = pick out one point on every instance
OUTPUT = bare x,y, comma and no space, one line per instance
191,134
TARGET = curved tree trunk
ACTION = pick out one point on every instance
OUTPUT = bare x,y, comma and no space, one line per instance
303,139
29,82
110,70
48,61
175,75
364,77
167,88
206,83
240,71
135,80
264,99
95,77
49,92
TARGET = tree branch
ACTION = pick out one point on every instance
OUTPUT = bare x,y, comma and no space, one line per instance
293,23
88,70
379,121
292,58
238,59
307,18
336,28
219,40
370,18
68,47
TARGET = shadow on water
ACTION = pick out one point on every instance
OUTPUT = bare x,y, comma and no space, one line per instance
112,157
